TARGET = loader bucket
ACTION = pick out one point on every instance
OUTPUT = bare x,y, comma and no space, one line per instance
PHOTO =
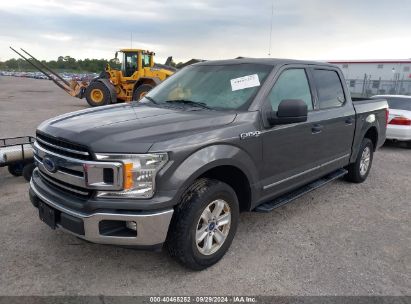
72,87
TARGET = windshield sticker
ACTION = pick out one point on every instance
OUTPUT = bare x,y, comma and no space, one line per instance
245,82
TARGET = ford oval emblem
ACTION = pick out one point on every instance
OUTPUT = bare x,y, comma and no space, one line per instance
49,164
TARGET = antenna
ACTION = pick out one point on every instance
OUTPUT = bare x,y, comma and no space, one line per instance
131,40
271,28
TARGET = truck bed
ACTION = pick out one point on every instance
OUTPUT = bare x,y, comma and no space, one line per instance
366,105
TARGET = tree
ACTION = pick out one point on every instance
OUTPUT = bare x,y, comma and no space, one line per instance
63,63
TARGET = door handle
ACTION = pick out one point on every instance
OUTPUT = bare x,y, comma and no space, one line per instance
349,121
316,128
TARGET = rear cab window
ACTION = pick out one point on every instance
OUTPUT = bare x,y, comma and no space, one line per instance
329,88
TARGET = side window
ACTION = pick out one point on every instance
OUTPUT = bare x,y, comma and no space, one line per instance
330,90
292,84
146,61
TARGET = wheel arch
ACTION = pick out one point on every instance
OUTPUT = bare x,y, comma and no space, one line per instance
368,130
372,134
110,87
236,179
153,81
225,163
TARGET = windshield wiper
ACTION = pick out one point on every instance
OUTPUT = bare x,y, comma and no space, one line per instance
151,99
190,102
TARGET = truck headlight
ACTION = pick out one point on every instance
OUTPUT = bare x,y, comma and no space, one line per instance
139,174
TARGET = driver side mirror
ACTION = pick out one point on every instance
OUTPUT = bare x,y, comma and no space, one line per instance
289,111
116,55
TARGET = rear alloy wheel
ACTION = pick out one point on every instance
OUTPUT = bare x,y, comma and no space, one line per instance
365,161
97,94
141,91
358,171
204,224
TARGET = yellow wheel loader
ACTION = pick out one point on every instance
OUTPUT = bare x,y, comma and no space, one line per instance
138,75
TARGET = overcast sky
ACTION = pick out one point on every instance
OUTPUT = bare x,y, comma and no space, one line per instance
212,29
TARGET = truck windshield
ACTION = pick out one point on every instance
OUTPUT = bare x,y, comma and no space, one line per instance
226,87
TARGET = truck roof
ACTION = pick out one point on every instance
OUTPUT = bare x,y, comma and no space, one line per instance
267,61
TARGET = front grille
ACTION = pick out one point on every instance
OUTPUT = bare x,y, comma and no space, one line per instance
69,167
63,147
65,187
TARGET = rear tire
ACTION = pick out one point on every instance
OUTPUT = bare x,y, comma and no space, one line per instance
28,171
97,94
140,91
207,206
16,169
358,171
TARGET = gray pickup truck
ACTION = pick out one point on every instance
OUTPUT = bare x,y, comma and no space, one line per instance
215,139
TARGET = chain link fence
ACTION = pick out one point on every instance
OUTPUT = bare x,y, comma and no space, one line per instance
368,87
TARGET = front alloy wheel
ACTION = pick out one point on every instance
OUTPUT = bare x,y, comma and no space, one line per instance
213,227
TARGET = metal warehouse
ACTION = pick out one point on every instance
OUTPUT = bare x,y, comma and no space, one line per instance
366,77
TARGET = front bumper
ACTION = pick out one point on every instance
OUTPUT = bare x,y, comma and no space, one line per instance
151,227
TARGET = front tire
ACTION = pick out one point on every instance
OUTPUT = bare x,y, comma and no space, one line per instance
358,171
204,224
97,94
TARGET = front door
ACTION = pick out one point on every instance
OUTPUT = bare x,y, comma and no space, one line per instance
290,151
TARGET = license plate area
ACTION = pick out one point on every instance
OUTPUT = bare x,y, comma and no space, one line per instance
47,215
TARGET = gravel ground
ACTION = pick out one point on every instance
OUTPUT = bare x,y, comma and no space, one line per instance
343,239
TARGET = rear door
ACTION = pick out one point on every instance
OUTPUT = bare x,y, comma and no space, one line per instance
335,116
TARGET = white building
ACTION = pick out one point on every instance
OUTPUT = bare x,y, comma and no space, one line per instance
370,77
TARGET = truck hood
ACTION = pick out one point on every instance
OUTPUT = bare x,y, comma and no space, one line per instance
128,128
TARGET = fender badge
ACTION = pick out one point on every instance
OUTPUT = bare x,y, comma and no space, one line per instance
250,134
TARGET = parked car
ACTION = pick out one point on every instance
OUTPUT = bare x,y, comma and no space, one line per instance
215,139
399,121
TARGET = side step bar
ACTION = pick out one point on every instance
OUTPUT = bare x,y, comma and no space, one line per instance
289,197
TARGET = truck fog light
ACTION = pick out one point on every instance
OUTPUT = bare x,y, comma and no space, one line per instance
131,225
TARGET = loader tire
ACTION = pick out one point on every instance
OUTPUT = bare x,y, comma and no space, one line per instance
97,94
140,91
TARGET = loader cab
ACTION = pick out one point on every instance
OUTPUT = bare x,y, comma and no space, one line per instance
135,60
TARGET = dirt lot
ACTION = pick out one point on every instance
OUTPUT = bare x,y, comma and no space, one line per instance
343,239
